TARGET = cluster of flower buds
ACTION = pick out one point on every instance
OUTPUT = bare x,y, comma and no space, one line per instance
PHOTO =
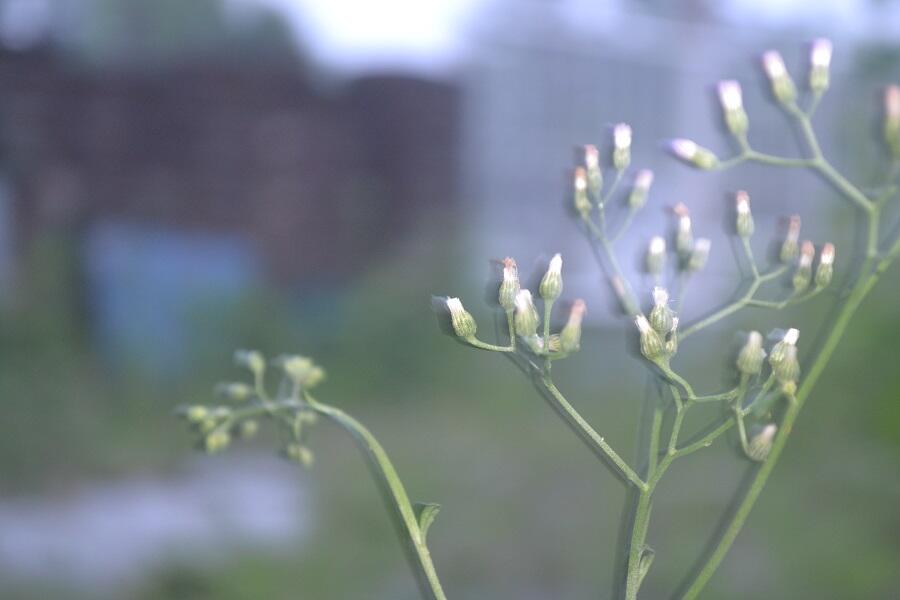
641,189
621,156
750,358
299,454
782,85
659,333
689,152
819,65
761,443
892,120
732,101
744,221
783,360
211,423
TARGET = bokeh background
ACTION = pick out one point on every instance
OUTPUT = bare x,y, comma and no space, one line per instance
179,179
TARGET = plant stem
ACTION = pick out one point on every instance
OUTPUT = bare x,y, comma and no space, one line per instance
636,544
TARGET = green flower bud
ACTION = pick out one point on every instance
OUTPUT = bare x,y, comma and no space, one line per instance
892,120
234,391
509,287
552,285
761,444
782,85
744,222
692,154
299,454
661,316
732,101
820,64
699,255
196,413
463,323
783,358
296,368
526,317
217,440
652,345
751,356
248,429
593,172
621,157
570,336
803,274
251,360
642,182
792,239
684,234
582,202
825,270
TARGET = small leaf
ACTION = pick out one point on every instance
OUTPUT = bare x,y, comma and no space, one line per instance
426,513
647,555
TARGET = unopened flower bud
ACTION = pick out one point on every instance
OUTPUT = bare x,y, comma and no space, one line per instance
732,102
694,155
892,119
782,85
621,146
296,368
196,413
642,182
656,255
744,222
592,168
788,368
526,317
652,345
570,336
684,235
672,342
251,360
819,65
248,429
234,391
314,377
791,240
699,255
780,351
463,323
551,285
803,274
761,444
825,270
217,441
661,316
751,356
299,454
509,287
581,201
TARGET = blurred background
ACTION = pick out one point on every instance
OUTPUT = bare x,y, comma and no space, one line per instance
180,179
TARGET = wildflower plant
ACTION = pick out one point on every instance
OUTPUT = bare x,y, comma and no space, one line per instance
769,390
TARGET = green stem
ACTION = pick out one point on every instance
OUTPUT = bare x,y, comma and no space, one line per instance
636,543
395,496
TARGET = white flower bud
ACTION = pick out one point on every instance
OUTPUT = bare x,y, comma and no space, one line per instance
825,270
652,346
526,317
661,316
782,86
892,119
751,356
761,444
570,336
699,255
463,323
744,222
684,236
803,274
656,255
593,172
820,64
642,182
580,197
509,287
732,102
790,246
551,285
621,146
694,155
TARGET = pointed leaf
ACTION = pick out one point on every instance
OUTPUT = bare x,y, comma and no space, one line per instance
425,514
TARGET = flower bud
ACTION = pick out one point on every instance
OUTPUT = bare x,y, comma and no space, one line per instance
826,266
651,343
684,235
551,285
621,146
803,274
234,391
672,342
820,64
692,154
248,429
781,353
732,102
656,255
642,182
751,356
570,336
296,368
299,454
463,323
744,222
251,360
791,240
581,201
314,377
217,440
787,369
592,168
661,315
195,413
526,317
761,444
892,119
509,287
699,255
782,85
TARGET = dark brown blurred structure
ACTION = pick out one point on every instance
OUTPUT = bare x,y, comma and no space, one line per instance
319,181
